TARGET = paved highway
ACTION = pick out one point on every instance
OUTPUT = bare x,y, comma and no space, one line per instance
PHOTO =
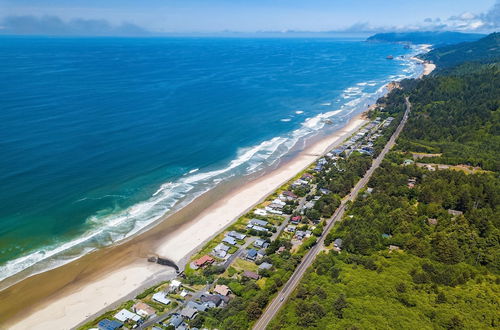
308,259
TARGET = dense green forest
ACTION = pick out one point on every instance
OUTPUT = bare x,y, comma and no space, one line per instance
422,249
485,50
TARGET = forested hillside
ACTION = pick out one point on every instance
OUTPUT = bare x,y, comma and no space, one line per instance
485,50
421,249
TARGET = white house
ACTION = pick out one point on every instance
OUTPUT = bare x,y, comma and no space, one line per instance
125,315
161,297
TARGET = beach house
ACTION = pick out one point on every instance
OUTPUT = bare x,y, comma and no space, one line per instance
109,325
161,297
237,235
204,261
143,309
125,315
229,240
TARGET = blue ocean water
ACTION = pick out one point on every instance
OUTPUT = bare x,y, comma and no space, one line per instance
99,137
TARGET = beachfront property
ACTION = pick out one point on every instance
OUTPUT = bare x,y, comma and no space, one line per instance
161,297
126,315
236,235
109,324
143,309
245,267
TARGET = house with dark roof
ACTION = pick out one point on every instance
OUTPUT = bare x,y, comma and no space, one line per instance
176,321
109,325
251,275
236,235
258,222
251,254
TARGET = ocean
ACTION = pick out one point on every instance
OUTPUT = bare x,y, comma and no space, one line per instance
100,137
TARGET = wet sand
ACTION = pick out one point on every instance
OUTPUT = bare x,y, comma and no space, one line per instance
66,296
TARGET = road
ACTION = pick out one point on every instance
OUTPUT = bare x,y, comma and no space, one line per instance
308,259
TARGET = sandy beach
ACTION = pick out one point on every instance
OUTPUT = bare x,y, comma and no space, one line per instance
78,297
67,296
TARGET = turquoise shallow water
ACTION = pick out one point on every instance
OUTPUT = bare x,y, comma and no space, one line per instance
101,136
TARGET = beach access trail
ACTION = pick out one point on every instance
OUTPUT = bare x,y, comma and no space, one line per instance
307,261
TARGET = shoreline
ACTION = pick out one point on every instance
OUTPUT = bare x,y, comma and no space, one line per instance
68,295
87,286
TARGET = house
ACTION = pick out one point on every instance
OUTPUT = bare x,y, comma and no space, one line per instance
125,315
221,250
273,211
251,254
307,177
260,212
251,275
260,243
289,195
291,228
143,309
229,240
278,201
175,285
280,249
261,253
203,261
258,228
189,312
222,289
309,205
161,297
455,213
265,265
216,300
258,222
237,235
296,219
109,324
276,206
176,321
337,243
393,248
408,162
324,191
183,293
199,307
299,234
432,221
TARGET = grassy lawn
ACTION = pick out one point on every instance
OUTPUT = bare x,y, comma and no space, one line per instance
240,264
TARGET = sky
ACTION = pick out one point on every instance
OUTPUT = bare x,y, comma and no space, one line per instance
130,17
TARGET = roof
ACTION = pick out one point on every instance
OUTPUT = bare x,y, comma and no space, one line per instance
175,283
144,309
258,222
222,247
176,320
237,235
338,242
161,297
216,299
203,260
265,265
252,253
251,275
222,289
229,240
199,307
189,312
109,324
125,315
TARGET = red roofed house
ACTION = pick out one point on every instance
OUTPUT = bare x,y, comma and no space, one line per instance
296,219
205,260
252,275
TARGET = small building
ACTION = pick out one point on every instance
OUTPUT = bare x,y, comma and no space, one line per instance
175,285
393,248
338,243
408,162
143,309
455,213
222,247
324,191
260,212
307,177
290,195
125,315
189,312
260,243
258,222
176,321
199,307
265,265
213,298
161,297
230,240
109,325
236,235
251,254
203,261
432,221
291,228
258,228
299,234
296,219
222,289
251,275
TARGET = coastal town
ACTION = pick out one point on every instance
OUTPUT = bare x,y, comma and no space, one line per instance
260,249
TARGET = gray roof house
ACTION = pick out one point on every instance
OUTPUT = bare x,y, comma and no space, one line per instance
229,240
236,235
258,222
252,254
